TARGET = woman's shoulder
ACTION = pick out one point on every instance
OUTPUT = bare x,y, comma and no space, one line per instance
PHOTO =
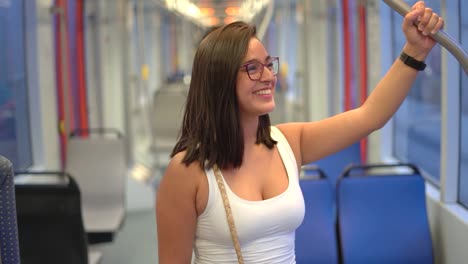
180,180
188,181
178,169
292,134
291,131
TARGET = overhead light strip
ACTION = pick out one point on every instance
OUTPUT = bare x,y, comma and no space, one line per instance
246,12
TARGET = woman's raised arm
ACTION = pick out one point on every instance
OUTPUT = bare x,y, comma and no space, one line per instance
315,140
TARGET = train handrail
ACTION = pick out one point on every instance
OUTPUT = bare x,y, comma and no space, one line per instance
266,20
441,37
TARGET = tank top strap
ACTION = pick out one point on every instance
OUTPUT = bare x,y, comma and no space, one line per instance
286,152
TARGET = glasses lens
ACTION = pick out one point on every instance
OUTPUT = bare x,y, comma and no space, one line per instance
273,66
254,70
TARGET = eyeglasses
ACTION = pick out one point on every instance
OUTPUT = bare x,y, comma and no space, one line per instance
255,68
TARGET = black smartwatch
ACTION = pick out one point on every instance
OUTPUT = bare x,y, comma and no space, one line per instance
412,62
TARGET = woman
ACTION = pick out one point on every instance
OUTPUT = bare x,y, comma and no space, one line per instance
226,125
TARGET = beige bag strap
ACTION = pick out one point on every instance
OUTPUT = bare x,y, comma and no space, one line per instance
230,219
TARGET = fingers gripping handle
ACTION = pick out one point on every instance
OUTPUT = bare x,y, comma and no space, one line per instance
441,37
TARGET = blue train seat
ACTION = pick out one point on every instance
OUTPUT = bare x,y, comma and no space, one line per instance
49,219
333,165
316,240
382,218
9,249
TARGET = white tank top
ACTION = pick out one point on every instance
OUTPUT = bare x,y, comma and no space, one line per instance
266,229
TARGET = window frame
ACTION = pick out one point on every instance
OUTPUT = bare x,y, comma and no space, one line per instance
32,84
448,190
451,116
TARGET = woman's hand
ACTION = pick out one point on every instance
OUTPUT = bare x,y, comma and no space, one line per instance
418,25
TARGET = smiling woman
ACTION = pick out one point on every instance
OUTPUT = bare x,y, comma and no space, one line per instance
226,138
256,82
227,118
212,98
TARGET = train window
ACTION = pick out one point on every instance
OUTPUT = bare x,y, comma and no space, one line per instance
463,183
14,121
416,132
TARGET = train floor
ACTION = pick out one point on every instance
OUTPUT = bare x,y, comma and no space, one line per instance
135,243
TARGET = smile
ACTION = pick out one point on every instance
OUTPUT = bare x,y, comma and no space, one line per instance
264,91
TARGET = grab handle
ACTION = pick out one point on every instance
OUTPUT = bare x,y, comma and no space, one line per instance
441,37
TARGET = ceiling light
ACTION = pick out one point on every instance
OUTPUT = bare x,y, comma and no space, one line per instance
232,11
207,11
211,21
229,20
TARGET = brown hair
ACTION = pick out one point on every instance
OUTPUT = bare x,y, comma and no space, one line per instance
211,131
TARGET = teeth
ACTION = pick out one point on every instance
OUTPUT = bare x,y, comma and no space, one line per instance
266,91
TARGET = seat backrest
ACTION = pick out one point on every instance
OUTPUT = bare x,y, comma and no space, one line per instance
98,163
383,219
49,219
168,111
333,165
99,166
316,240
9,250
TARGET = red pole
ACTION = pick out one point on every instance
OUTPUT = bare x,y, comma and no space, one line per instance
70,103
83,110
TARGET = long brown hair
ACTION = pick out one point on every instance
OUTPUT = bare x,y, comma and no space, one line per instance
211,131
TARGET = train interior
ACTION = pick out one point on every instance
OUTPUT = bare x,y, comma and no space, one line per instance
92,94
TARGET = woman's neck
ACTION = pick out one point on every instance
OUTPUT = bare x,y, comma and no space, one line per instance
249,128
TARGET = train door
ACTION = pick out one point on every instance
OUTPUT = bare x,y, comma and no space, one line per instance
15,139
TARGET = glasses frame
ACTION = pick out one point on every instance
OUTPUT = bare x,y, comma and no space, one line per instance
245,65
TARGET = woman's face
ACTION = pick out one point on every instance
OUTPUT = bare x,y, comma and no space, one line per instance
256,97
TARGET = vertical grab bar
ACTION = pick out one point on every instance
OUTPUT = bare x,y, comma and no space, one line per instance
441,37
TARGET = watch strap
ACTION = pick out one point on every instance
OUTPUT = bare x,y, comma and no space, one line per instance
412,62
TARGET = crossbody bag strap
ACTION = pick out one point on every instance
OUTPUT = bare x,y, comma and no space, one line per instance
230,219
